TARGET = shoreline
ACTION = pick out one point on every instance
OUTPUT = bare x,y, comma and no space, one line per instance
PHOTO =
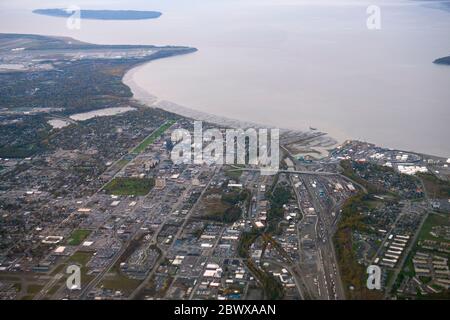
150,100
320,141
311,142
324,141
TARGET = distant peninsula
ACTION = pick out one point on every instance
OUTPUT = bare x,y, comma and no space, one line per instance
101,14
444,60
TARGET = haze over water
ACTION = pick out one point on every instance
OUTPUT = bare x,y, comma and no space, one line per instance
287,63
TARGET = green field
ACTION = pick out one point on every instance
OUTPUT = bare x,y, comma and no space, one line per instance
31,291
117,281
225,207
78,236
151,138
122,162
34,288
130,186
234,173
80,257
433,220
435,187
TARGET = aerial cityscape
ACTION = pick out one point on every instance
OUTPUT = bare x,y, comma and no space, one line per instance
108,192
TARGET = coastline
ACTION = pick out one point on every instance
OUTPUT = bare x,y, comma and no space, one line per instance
310,142
145,97
320,141
150,100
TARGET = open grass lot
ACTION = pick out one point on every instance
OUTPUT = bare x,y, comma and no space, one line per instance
80,257
151,138
122,162
129,186
214,205
32,290
78,236
234,173
433,220
224,207
435,187
116,281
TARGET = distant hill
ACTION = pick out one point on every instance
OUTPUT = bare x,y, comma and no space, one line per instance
444,60
102,14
